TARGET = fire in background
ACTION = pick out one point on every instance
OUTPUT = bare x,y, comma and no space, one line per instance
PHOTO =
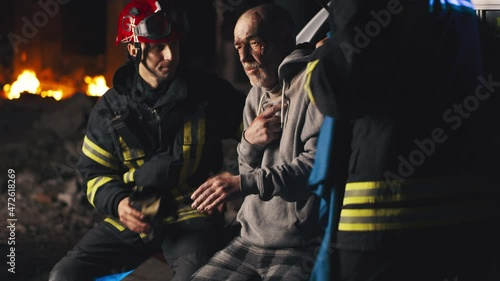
27,82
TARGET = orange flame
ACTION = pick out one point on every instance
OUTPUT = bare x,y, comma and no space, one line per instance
96,85
27,82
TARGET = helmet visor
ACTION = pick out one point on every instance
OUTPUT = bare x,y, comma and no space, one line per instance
155,27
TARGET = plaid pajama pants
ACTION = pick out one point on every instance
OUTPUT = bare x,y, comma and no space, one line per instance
239,261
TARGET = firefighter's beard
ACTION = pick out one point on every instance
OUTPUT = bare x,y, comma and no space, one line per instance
160,73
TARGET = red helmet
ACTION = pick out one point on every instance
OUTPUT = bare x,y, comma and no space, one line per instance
147,21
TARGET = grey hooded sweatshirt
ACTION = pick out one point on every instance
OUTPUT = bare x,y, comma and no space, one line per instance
281,211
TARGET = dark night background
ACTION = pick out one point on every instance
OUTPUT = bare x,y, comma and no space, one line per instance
40,138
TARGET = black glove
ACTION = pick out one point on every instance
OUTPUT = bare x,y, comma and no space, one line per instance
155,205
160,170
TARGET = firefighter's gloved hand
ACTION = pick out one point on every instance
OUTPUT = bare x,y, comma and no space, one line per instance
155,205
155,171
146,200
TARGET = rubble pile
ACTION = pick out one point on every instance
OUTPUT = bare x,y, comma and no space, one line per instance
40,142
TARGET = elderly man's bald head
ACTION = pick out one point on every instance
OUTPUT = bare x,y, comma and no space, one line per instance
273,22
264,36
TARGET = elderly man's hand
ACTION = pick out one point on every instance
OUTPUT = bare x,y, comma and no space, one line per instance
265,128
216,191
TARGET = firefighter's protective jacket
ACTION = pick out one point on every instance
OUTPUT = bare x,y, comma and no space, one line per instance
166,140
419,107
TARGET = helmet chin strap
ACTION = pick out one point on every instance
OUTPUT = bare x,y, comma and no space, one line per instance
137,61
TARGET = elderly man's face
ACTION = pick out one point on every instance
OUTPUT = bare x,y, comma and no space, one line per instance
258,55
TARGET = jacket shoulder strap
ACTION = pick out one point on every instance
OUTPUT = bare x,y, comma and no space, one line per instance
119,107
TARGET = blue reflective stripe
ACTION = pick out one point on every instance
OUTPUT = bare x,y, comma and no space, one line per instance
114,277
458,5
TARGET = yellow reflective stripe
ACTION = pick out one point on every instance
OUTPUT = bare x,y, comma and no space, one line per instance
406,225
370,212
99,150
185,216
191,215
128,177
387,226
129,165
183,198
186,149
307,86
125,150
185,209
375,199
99,155
185,164
201,143
94,184
130,153
188,138
371,185
425,188
415,217
115,224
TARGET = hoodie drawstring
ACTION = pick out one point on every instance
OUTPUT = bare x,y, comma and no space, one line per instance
282,116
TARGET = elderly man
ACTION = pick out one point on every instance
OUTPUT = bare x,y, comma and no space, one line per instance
279,230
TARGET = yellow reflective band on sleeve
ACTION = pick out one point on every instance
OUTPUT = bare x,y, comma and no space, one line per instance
99,155
379,199
94,184
194,141
385,227
114,223
371,185
380,219
128,177
371,192
307,86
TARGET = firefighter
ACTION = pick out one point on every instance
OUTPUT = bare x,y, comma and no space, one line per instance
151,139
404,81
